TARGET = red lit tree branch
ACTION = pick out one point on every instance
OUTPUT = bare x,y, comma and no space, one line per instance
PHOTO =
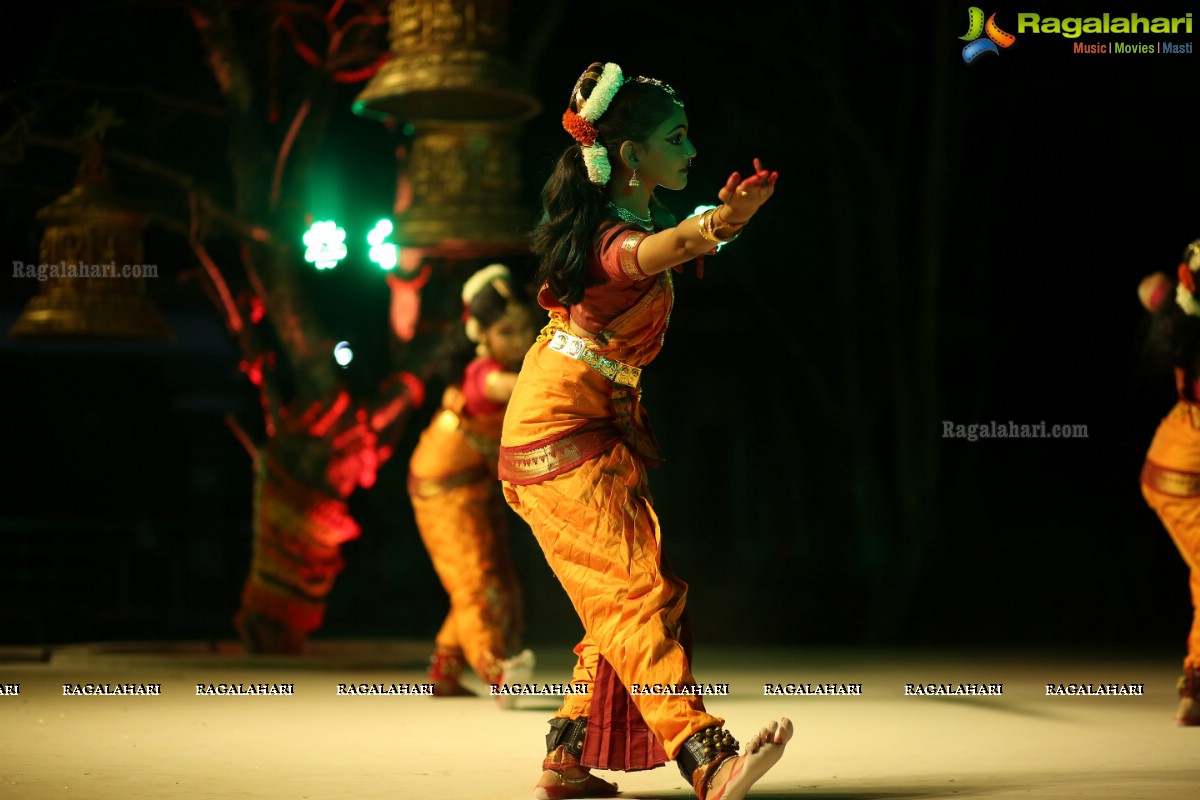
322,441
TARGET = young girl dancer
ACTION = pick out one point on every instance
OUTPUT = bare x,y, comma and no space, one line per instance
456,497
1171,472
576,444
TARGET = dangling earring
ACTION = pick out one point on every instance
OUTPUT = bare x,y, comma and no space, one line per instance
633,179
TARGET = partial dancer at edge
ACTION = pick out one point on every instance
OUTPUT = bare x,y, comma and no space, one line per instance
1171,472
576,444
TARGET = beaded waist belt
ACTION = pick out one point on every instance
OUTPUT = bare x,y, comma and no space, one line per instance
1169,481
577,348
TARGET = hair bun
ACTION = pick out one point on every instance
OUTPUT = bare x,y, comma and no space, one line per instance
602,81
482,278
590,77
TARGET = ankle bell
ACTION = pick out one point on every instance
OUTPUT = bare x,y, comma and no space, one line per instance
564,743
702,753
445,665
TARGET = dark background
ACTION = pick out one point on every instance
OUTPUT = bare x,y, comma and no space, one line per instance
948,242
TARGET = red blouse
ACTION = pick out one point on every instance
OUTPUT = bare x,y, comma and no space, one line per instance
474,387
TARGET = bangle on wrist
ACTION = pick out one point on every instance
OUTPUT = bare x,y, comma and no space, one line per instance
728,223
705,223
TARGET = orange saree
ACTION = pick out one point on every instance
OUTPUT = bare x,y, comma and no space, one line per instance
574,452
461,518
1171,485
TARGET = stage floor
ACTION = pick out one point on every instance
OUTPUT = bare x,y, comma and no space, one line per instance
880,744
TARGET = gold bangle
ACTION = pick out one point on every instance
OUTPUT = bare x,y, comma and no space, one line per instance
727,223
713,228
705,223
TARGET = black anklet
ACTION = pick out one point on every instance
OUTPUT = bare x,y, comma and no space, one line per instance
703,748
567,733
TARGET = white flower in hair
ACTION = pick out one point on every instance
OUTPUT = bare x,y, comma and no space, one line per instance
1187,301
602,93
471,289
482,278
595,158
473,329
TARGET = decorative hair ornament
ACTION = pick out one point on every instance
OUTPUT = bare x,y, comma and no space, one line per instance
595,104
474,284
580,129
474,330
666,87
595,160
1185,292
493,275
502,289
581,123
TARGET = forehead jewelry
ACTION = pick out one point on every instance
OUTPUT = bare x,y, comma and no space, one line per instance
666,87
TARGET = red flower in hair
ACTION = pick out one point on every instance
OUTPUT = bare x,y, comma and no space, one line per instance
1187,278
580,129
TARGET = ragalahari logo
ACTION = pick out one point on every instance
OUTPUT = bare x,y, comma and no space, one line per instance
976,27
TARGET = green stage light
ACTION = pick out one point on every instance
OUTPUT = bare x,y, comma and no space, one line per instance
385,254
325,243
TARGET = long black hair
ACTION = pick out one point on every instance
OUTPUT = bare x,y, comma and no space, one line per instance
572,206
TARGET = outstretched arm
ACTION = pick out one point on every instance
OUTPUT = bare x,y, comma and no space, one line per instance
741,198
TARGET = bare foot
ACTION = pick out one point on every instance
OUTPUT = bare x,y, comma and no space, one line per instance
571,782
1188,712
735,777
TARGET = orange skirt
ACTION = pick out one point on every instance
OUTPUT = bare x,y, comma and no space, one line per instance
465,533
598,531
1171,486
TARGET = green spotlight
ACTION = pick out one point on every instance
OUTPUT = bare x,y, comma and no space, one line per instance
385,254
325,243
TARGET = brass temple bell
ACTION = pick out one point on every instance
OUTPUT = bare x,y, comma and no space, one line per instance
447,78
91,272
